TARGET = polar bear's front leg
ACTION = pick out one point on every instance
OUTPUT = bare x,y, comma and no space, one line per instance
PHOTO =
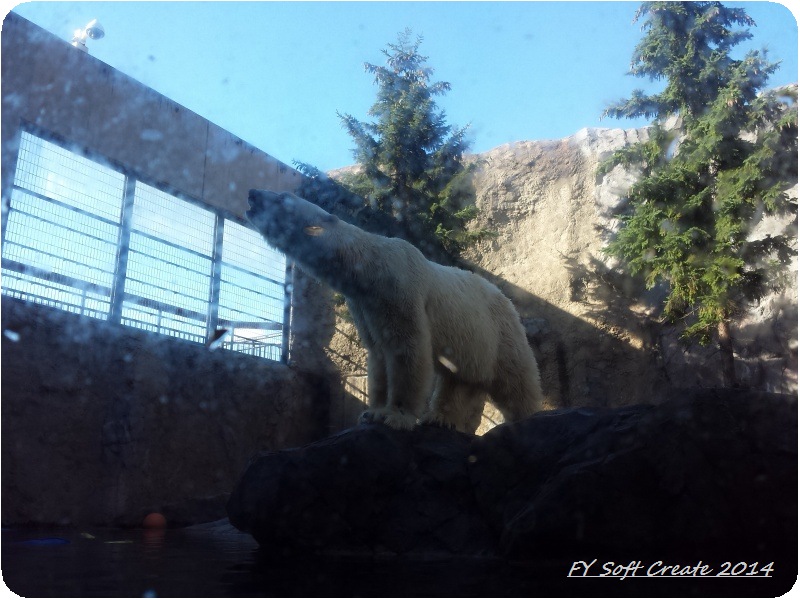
409,380
377,394
393,418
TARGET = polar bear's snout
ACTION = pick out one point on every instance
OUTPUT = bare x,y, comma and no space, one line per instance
279,215
255,202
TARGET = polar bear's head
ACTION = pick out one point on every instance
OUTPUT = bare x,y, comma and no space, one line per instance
295,226
332,250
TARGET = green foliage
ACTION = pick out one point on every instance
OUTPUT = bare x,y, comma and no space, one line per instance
729,161
411,161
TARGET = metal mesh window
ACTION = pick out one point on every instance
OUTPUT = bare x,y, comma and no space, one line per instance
84,237
64,176
169,266
251,293
61,237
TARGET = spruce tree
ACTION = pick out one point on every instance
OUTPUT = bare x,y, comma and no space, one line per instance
411,162
726,158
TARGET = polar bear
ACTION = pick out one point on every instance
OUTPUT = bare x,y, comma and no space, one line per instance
439,339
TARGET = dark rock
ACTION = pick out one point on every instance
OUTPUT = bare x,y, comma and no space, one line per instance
713,470
710,471
366,490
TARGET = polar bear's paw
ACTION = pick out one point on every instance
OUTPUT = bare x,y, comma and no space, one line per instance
392,418
430,418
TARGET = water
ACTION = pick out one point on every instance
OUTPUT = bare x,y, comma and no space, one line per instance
215,560
196,561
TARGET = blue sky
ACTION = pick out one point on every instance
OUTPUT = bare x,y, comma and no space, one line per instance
276,73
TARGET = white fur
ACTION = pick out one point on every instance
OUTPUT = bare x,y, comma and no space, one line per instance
440,340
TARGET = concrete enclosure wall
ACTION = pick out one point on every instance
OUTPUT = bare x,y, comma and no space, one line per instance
100,422
71,94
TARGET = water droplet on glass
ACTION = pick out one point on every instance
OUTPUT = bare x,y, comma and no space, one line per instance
448,364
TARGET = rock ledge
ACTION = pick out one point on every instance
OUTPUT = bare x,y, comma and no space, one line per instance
713,472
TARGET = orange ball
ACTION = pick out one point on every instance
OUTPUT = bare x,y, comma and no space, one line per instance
154,521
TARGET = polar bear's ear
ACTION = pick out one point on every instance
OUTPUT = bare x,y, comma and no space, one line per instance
330,219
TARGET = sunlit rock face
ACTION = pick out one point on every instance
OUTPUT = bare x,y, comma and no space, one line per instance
707,473
554,215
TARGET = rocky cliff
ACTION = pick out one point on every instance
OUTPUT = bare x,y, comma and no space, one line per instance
595,344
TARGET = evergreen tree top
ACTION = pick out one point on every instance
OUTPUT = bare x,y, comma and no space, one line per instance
688,44
403,59
410,159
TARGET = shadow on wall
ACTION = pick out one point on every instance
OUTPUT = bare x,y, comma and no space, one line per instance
349,356
596,336
582,364
764,336
313,350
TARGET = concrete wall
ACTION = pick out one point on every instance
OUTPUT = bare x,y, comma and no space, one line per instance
102,423
71,94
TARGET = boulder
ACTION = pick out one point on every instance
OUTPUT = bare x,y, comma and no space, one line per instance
368,490
714,471
708,470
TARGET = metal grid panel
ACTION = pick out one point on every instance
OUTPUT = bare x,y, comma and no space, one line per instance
251,294
56,239
167,274
162,321
67,177
62,233
170,218
62,241
169,264
246,249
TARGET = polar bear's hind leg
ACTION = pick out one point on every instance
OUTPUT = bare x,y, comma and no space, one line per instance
520,396
455,405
